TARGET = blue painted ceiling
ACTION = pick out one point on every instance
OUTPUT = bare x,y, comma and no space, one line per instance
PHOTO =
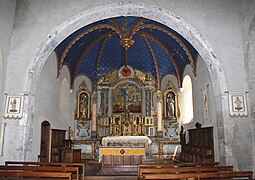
95,49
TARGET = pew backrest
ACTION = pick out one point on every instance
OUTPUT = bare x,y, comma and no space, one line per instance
64,175
184,170
31,163
73,170
171,165
235,174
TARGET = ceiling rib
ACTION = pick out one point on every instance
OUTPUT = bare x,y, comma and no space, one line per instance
99,26
179,77
154,26
89,47
98,58
154,60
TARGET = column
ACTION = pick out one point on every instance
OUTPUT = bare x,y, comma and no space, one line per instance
159,110
94,113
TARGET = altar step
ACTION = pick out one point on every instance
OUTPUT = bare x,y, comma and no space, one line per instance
118,171
111,177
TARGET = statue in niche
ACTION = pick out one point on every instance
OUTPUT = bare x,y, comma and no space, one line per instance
82,112
170,105
83,103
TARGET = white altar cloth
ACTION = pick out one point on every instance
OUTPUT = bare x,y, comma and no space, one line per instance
126,140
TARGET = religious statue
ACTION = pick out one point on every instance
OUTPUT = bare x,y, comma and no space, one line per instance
83,105
82,112
170,105
127,129
118,129
70,133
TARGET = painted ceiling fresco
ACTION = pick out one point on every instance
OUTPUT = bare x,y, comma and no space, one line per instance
143,44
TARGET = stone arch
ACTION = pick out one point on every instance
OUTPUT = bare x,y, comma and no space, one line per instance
156,13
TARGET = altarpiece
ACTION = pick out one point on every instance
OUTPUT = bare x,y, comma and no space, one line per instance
126,106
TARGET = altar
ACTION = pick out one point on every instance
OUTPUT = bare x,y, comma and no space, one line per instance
124,145
134,141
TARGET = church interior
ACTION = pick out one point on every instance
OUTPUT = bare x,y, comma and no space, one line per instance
132,90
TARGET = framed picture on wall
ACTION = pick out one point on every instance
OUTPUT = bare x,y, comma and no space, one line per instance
14,106
237,104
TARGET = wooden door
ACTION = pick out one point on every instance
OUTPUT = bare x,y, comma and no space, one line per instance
45,142
57,144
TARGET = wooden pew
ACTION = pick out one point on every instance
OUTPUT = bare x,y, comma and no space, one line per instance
73,170
181,170
62,175
27,163
214,175
201,164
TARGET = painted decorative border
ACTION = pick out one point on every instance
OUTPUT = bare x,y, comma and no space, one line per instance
14,106
237,104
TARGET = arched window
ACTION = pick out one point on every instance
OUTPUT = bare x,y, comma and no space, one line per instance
65,100
186,101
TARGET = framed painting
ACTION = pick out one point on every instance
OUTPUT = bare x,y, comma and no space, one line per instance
237,104
14,106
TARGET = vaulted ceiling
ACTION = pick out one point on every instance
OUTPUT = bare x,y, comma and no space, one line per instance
144,44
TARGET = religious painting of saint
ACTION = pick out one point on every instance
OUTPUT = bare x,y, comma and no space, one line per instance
14,106
237,104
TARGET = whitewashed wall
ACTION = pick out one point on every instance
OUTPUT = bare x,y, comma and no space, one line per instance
39,27
7,15
247,20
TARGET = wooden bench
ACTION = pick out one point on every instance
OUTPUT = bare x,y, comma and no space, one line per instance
181,170
202,164
62,175
215,175
81,166
73,170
